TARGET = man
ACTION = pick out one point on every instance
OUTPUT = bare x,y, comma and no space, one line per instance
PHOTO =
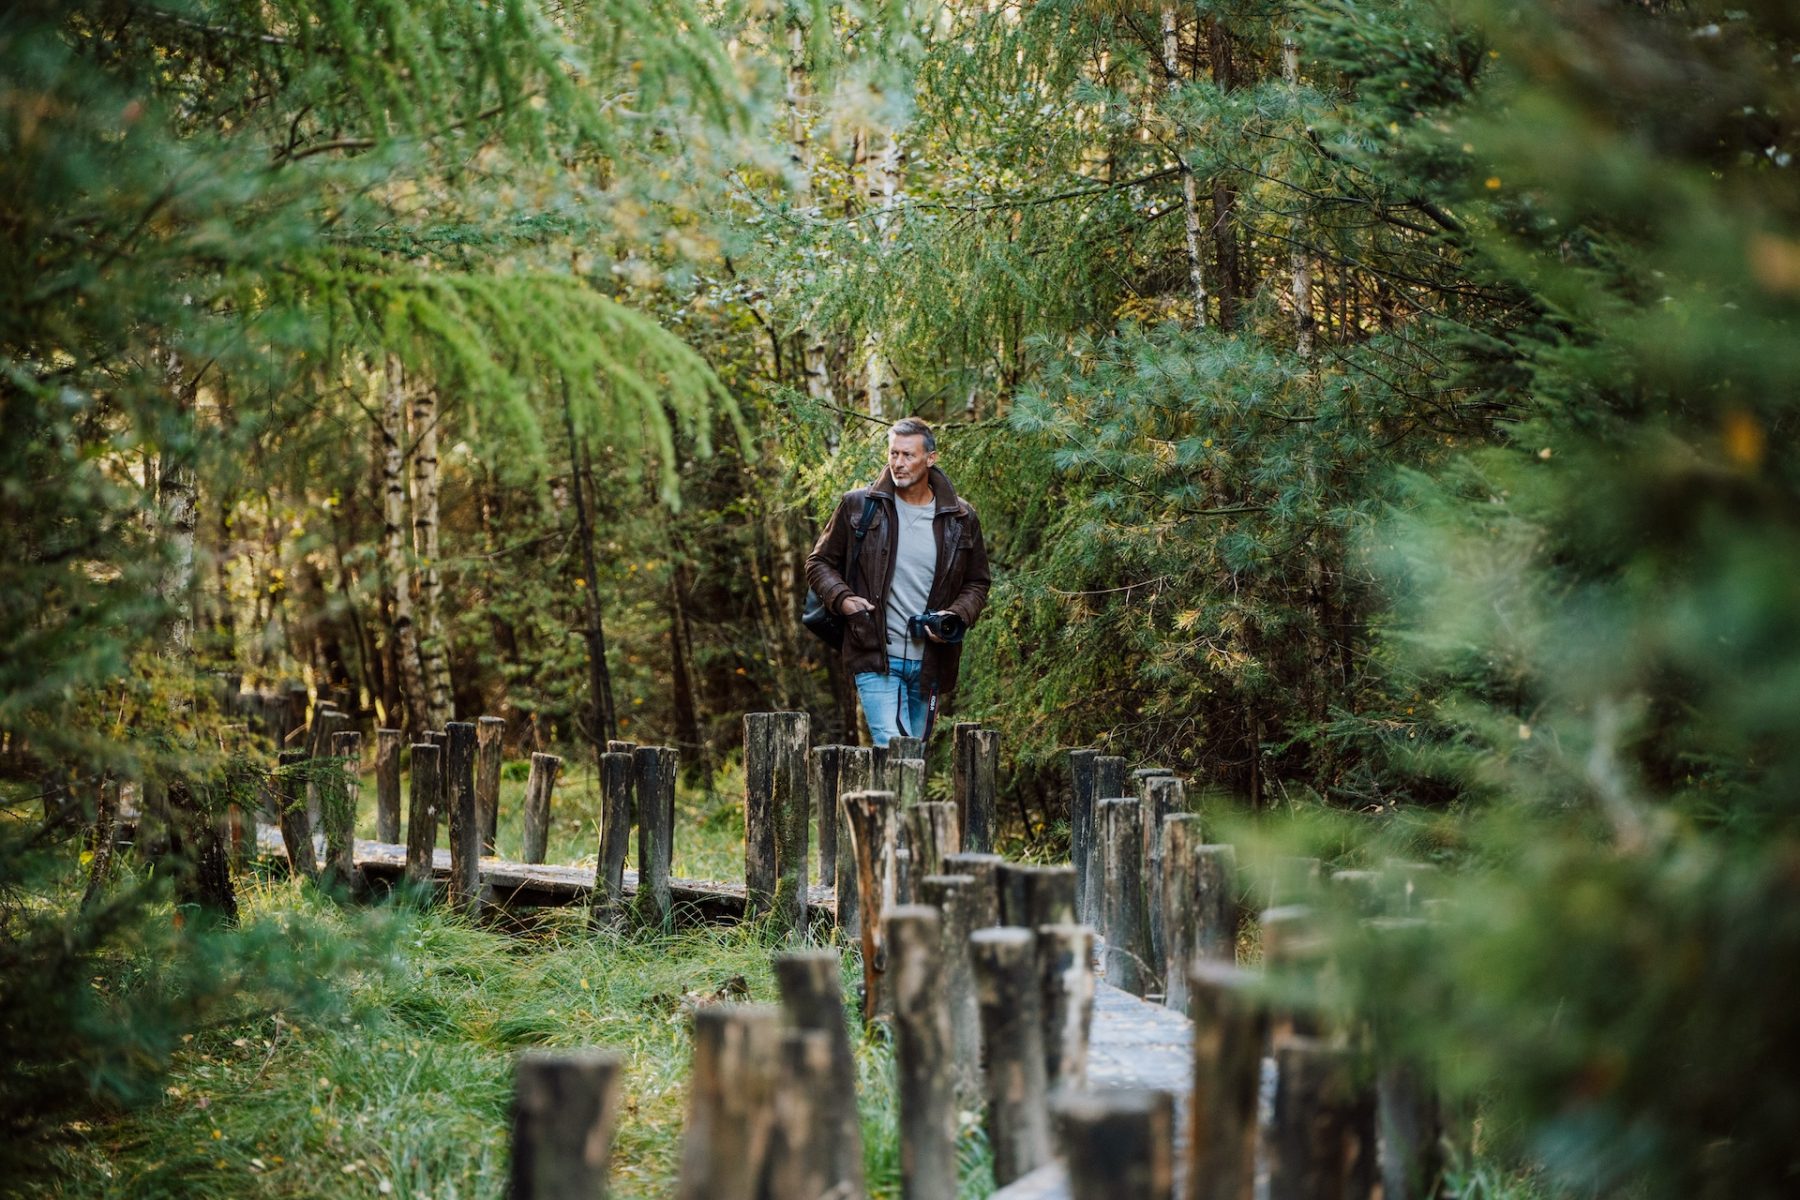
922,555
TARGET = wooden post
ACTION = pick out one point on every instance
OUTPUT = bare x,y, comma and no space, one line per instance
775,815
984,869
387,786
565,1103
1119,1145
1230,1027
1081,833
328,721
1032,895
869,819
615,836
902,749
1012,1030
822,784
902,872
440,739
856,773
1215,902
290,807
1320,1137
1361,891
932,835
1161,796
1181,835
488,734
654,770
1295,881
922,1020
465,822
724,1148
539,786
1065,957
953,897
338,796
1411,1135
1292,951
810,996
619,746
977,802
422,817
906,779
1109,777
1122,904
799,1130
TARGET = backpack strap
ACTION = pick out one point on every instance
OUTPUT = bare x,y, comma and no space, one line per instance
862,527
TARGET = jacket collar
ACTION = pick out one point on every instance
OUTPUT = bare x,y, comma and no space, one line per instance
947,499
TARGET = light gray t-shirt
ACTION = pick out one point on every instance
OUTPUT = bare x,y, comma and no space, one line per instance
915,563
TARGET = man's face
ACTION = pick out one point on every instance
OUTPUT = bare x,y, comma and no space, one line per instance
908,460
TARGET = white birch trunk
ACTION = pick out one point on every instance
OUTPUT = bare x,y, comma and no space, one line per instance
1190,192
1302,265
815,360
395,558
434,663
882,188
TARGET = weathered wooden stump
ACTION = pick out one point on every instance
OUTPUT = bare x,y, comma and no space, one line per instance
1119,1145
902,875
724,1149
775,816
1161,796
1412,1129
441,740
978,767
539,786
906,779
1293,950
813,1002
1065,962
932,834
1181,835
1032,895
1012,1030
1321,1135
984,893
1109,777
903,747
387,786
464,892
798,1128
422,816
1362,891
290,806
1215,902
856,773
824,765
488,734
565,1104
1230,1027
869,819
922,1045
952,896
615,835
653,782
1122,902
338,795
621,746
1081,833
1294,880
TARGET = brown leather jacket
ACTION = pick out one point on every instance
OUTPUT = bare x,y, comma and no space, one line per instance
960,584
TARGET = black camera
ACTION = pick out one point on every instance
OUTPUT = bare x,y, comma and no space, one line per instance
945,626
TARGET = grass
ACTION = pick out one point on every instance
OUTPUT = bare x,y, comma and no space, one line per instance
404,1089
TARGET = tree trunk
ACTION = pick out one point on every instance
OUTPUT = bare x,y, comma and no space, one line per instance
815,358
1190,197
681,660
402,632
602,725
1301,264
434,662
1224,194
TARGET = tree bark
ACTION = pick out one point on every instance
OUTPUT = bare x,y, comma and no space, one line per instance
1224,193
434,663
602,726
1190,191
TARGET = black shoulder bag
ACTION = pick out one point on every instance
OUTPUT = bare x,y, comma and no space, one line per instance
820,621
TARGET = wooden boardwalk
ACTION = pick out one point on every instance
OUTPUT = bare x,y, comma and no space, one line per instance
541,885
1134,1044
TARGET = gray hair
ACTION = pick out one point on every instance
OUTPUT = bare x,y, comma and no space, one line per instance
913,427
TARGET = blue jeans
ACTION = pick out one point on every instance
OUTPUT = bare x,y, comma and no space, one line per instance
881,697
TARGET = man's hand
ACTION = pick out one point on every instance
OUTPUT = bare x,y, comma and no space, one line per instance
856,604
932,634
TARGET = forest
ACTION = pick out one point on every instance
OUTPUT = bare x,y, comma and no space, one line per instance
1380,415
